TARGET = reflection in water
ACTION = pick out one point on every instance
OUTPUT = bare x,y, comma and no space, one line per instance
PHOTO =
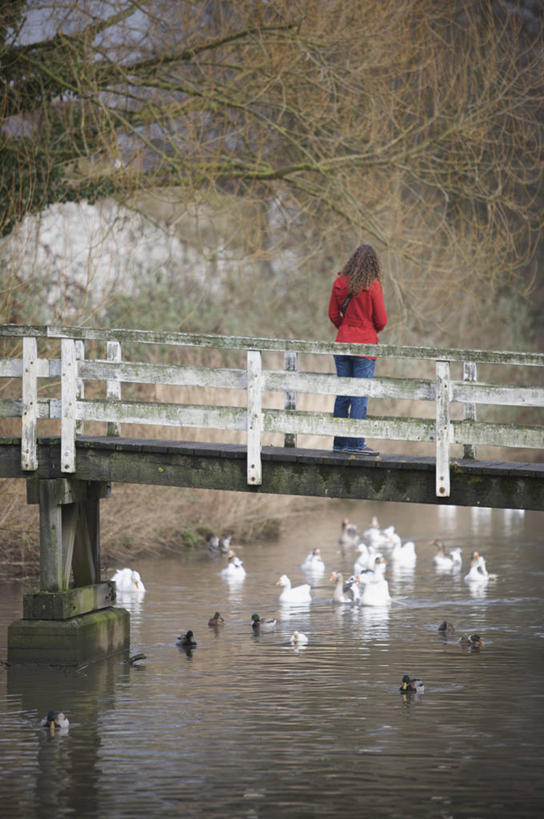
375,622
248,724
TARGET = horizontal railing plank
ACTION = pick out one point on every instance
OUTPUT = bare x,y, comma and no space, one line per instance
176,376
270,344
479,393
182,415
508,435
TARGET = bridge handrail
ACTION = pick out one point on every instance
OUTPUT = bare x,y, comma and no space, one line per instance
270,344
73,409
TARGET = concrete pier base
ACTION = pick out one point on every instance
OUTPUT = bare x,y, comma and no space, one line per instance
73,642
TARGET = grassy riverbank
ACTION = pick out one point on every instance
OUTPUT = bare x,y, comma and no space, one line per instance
144,520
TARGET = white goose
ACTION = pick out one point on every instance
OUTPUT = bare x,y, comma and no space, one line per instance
446,561
128,580
478,574
367,558
234,570
376,588
313,564
390,538
349,537
379,537
404,554
293,595
298,638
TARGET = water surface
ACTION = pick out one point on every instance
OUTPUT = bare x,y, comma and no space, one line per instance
248,726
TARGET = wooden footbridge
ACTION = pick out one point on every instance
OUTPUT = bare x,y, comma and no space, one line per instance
74,378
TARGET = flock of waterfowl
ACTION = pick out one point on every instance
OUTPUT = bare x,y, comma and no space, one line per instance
367,586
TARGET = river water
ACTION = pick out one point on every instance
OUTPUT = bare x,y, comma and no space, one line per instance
248,726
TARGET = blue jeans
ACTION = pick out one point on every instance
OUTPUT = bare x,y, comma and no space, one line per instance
351,366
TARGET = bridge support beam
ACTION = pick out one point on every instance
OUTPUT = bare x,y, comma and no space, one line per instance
71,619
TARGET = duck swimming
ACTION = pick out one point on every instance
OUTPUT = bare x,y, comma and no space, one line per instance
263,624
343,592
349,537
478,573
219,545
128,580
471,641
294,594
313,562
375,586
410,686
298,638
216,620
446,561
404,554
234,570
446,628
55,721
187,640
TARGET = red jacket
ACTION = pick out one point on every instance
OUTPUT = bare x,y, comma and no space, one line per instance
365,315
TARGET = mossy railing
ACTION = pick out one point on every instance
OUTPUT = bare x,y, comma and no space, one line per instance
73,409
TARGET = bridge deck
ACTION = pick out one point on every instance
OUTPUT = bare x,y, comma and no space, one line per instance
285,471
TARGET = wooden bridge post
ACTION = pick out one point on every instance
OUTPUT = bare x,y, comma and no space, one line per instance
80,384
68,622
443,428
68,405
69,531
29,452
254,417
291,365
113,387
469,374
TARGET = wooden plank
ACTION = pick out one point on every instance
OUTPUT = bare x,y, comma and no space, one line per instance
29,409
80,383
254,418
469,375
443,430
331,384
66,491
68,405
86,556
497,394
67,604
45,368
317,423
182,415
527,359
505,435
132,372
290,399
113,386
51,551
69,515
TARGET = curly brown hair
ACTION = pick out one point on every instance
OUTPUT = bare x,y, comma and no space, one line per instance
362,268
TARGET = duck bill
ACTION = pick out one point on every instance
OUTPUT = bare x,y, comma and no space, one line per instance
52,728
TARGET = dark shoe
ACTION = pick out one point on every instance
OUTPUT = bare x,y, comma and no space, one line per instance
364,450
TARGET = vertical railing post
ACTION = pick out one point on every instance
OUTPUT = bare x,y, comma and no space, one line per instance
29,416
113,386
80,384
68,405
469,374
254,417
443,428
291,366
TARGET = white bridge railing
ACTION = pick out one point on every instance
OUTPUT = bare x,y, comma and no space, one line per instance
73,370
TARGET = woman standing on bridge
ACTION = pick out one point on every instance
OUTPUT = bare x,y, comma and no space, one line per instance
357,310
